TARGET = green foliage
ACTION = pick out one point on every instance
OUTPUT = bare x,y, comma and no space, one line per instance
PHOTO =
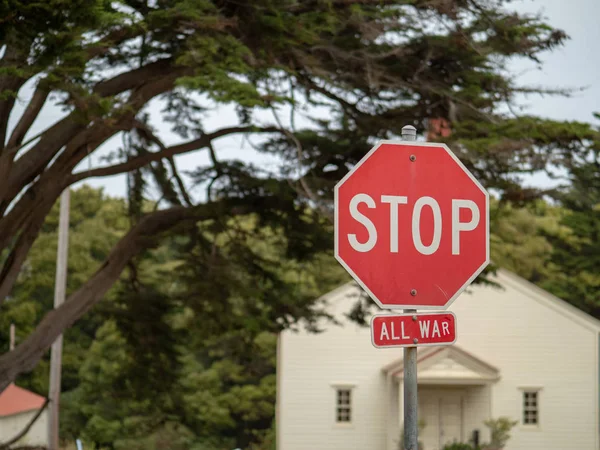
576,254
499,432
182,349
159,360
519,238
96,223
499,436
458,446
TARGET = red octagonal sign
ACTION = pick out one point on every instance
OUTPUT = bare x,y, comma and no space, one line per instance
411,225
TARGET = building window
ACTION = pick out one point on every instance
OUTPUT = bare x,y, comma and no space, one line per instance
530,407
343,410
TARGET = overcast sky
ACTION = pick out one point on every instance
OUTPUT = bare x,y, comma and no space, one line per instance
577,65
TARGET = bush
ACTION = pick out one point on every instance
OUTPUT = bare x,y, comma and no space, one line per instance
499,432
458,446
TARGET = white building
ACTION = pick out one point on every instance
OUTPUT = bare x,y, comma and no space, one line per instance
521,353
18,407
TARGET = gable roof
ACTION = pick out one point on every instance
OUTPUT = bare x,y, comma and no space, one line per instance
547,299
448,364
503,277
15,400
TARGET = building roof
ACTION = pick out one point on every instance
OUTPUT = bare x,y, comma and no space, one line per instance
15,400
451,364
544,297
340,296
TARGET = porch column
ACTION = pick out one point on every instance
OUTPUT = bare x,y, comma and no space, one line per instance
400,419
393,424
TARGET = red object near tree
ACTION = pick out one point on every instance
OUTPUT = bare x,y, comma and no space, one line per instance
412,225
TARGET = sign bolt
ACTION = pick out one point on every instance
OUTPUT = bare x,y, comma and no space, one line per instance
415,340
413,292
414,318
413,158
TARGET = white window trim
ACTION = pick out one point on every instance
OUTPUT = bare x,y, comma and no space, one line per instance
352,388
530,426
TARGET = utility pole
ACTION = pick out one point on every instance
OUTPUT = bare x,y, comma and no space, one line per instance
12,337
59,298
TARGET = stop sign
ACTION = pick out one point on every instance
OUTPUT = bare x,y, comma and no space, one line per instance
411,225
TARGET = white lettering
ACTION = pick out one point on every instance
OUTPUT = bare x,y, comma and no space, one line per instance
403,335
394,332
445,328
436,329
437,225
384,332
356,215
458,226
394,201
424,328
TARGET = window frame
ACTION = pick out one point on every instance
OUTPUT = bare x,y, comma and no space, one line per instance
525,408
348,407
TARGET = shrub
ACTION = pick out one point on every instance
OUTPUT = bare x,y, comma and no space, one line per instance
499,432
458,446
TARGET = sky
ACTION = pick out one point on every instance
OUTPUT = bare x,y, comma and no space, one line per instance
575,65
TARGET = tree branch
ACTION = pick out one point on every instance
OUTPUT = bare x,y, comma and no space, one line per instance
10,83
134,78
349,107
311,6
184,193
35,161
144,234
146,133
16,258
168,152
149,81
28,166
6,445
29,115
299,154
28,216
111,40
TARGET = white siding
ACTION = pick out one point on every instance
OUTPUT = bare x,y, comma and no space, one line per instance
10,426
310,367
534,345
533,339
477,410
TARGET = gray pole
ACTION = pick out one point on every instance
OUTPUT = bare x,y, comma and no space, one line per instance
411,430
59,298
11,346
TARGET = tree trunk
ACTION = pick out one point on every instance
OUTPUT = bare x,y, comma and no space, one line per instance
143,235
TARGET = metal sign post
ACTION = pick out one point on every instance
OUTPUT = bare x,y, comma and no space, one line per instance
411,429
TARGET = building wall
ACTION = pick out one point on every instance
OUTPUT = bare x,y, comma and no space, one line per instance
533,341
310,367
535,345
10,426
477,410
